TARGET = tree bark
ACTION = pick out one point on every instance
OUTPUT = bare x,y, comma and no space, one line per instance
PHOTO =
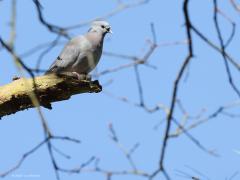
15,96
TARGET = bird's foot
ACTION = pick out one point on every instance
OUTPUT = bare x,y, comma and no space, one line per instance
82,76
76,75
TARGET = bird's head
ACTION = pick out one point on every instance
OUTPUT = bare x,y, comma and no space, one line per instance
101,26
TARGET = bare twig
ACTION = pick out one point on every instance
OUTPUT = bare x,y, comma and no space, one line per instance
50,47
233,24
52,28
175,88
228,71
235,5
34,149
119,8
127,154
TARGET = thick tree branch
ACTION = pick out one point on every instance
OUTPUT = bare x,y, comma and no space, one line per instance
14,97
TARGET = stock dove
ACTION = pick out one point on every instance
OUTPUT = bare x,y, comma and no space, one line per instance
82,53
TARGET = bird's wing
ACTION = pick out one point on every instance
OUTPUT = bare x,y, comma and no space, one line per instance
67,57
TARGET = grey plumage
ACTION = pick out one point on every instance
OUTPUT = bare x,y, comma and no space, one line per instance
82,53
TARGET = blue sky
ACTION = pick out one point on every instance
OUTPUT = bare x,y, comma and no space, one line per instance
87,116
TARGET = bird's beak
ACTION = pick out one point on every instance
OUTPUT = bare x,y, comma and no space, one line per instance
109,30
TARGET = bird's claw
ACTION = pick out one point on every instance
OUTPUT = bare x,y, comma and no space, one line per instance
82,76
77,75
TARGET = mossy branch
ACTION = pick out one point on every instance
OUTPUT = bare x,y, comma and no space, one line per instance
50,88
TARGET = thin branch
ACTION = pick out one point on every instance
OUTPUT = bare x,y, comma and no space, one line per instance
23,158
50,47
47,141
120,7
176,83
233,24
194,140
215,47
235,5
13,25
228,71
52,28
127,154
18,60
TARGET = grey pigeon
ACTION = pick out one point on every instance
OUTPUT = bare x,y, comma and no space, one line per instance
82,53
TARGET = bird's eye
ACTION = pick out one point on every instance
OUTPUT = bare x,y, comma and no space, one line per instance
102,26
